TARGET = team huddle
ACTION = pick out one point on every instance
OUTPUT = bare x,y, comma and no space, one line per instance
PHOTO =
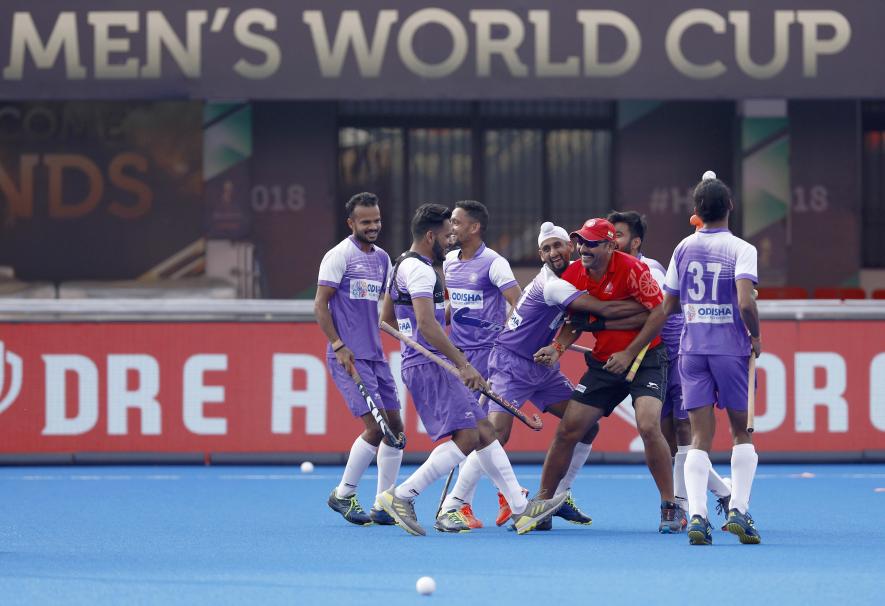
476,347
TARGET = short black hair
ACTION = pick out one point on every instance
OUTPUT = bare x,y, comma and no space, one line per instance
711,200
477,211
429,217
362,199
635,222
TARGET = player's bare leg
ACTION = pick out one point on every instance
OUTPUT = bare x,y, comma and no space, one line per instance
577,421
657,451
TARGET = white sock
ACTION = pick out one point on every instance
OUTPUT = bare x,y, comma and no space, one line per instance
497,466
697,468
440,462
579,458
717,485
361,455
389,461
679,489
469,474
470,493
743,469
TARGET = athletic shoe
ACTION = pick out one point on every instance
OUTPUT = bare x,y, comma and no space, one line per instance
381,517
545,524
722,509
682,516
671,521
451,521
699,531
467,511
570,513
349,508
504,512
402,511
743,526
539,510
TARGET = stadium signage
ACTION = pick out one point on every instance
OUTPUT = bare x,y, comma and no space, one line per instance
305,49
262,387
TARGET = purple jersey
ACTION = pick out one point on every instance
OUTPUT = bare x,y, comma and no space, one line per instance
358,279
538,314
671,333
703,274
477,285
417,279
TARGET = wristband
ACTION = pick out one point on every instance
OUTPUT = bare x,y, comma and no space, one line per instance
341,344
559,347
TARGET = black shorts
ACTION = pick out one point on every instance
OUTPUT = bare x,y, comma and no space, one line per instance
602,389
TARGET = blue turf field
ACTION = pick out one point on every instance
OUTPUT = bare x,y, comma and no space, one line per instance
263,535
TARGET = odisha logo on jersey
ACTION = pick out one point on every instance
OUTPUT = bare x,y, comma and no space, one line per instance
714,311
365,289
465,297
709,313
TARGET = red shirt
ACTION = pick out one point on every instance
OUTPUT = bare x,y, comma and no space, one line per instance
625,277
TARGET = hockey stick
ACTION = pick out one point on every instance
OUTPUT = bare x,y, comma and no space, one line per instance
534,421
636,363
462,318
398,442
751,392
442,497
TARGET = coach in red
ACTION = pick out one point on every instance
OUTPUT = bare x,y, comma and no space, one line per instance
610,275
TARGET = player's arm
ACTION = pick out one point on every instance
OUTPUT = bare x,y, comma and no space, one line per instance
324,319
433,333
671,304
645,291
745,273
387,313
610,310
549,354
584,322
749,313
619,362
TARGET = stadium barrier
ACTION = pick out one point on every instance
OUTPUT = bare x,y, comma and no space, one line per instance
246,381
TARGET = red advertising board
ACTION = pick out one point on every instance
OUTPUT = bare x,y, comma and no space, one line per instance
264,387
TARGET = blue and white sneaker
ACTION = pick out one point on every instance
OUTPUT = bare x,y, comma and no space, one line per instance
381,517
570,513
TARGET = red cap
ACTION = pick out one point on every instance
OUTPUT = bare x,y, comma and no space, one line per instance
594,230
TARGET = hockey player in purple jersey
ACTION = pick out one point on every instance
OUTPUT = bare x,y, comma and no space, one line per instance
712,274
351,282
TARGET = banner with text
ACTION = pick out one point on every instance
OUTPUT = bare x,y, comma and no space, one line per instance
311,49
240,387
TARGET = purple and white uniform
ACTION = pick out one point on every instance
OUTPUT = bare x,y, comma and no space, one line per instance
358,279
475,287
715,347
671,334
444,404
532,325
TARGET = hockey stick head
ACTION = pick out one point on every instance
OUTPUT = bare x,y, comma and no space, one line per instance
534,422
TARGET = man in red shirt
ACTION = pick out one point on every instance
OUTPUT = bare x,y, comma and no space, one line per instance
610,275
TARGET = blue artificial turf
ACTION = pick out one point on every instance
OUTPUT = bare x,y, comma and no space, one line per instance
264,535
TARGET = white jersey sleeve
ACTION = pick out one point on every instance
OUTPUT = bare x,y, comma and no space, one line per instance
500,273
671,280
332,267
557,291
745,266
419,278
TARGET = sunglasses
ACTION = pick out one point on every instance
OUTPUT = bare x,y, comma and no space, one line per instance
590,243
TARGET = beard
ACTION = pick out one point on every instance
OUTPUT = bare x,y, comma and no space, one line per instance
362,237
439,253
